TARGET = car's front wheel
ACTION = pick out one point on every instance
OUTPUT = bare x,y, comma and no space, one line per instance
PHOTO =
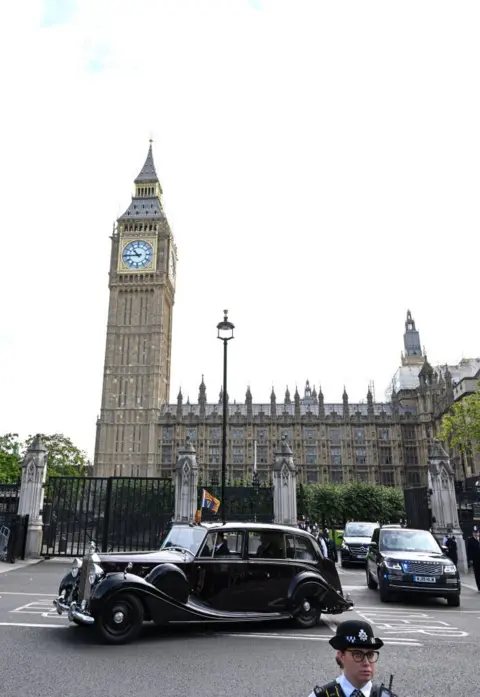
120,621
309,614
454,600
385,594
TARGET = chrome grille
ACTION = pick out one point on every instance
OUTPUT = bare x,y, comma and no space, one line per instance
358,549
423,568
83,582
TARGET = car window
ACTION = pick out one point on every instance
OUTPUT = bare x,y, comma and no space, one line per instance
409,541
221,543
266,545
300,548
359,530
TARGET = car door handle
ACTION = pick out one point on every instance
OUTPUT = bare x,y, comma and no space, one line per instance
267,575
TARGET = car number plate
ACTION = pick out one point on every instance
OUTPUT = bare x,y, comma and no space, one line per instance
425,579
361,556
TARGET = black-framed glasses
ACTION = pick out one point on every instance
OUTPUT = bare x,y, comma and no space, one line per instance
359,656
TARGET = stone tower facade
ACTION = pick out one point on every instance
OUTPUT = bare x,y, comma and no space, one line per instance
136,379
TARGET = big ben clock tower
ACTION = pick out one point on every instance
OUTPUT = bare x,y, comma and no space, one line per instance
136,379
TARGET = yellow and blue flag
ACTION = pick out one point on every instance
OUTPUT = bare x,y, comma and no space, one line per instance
210,502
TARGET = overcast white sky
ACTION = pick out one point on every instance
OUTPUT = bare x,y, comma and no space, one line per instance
320,168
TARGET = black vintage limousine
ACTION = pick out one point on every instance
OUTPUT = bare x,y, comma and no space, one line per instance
233,572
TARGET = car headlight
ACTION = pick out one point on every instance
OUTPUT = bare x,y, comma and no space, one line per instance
449,569
95,572
76,566
344,545
393,564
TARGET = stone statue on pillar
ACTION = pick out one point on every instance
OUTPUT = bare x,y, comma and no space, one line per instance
284,485
186,484
441,482
34,472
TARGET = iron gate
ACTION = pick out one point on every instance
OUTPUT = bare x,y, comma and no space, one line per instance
117,513
13,528
417,508
251,502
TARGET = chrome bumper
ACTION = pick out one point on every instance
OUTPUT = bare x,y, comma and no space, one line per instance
73,613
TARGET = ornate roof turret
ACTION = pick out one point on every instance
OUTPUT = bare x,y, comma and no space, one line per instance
287,396
346,408
202,397
426,373
180,402
273,403
321,403
248,401
148,172
369,401
314,394
147,201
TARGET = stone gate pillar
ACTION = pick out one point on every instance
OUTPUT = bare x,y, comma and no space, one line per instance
441,482
186,484
34,472
284,486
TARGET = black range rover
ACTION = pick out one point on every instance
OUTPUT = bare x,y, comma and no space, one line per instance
401,560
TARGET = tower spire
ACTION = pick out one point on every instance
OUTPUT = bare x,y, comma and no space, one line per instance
411,342
148,173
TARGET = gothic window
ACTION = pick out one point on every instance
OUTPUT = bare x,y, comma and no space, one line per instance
237,475
384,434
336,476
361,475
214,434
308,432
413,478
408,432
359,434
387,478
119,439
385,456
310,455
261,433
192,433
167,433
237,433
334,435
214,454
312,477
360,456
167,455
262,454
411,456
137,439
238,455
286,431
336,455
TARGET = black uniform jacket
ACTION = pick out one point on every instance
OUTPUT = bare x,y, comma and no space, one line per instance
333,689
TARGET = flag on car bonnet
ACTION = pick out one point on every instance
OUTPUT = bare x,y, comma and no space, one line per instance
210,502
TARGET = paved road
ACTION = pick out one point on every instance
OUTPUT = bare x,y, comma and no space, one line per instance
427,644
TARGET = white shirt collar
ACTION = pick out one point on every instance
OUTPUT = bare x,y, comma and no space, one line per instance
348,688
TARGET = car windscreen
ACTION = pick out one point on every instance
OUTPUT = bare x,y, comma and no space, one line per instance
359,530
408,541
185,536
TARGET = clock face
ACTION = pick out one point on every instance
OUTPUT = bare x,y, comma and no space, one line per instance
137,254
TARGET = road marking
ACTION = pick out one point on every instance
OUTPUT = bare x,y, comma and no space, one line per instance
410,622
353,588
293,637
35,626
38,607
50,595
472,588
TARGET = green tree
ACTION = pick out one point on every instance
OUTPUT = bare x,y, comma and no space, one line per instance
64,458
461,426
9,458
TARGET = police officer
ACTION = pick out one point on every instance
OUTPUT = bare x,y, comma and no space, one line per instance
450,543
357,655
473,554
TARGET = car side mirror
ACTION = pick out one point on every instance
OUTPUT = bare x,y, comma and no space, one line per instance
373,545
444,549
340,535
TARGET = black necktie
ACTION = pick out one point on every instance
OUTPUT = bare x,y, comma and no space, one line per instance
357,693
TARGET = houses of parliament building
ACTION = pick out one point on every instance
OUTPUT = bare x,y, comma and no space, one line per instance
139,432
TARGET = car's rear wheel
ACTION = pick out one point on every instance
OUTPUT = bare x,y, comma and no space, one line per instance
454,600
371,583
308,615
121,619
